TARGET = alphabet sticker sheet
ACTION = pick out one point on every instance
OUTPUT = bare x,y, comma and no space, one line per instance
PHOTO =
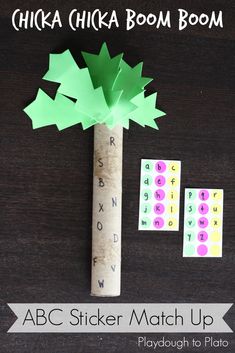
203,223
159,195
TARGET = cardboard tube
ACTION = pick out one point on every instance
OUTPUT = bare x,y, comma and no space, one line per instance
107,211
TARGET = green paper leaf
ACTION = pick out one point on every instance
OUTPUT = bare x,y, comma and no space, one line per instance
98,110
45,111
108,91
103,69
130,81
60,65
146,113
41,110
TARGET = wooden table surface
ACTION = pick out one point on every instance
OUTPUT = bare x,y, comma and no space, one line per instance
46,175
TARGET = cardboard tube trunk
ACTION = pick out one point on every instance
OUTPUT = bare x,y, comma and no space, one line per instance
107,211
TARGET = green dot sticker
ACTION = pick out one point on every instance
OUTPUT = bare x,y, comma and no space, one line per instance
145,222
191,194
190,222
147,180
146,194
189,236
148,166
189,250
190,208
146,208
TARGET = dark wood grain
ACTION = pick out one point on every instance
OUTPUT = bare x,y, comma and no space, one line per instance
46,175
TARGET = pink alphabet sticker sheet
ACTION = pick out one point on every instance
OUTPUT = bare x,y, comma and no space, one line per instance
159,195
203,223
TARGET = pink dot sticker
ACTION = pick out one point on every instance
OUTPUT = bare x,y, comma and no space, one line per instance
202,250
158,222
160,180
159,194
160,167
203,222
203,208
203,195
202,236
159,208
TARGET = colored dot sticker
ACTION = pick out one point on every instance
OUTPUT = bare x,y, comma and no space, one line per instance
172,195
159,194
202,222
202,250
173,181
158,222
216,223
189,250
190,222
216,194
145,222
159,208
174,167
147,180
146,194
160,167
160,180
203,208
190,195
189,235
146,208
172,208
202,236
203,195
215,250
190,208
216,209
148,166
171,222
215,237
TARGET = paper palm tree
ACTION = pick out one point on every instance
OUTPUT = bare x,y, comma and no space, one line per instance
108,93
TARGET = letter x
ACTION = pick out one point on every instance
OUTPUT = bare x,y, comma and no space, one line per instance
101,207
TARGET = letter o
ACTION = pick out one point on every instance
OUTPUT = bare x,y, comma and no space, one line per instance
153,21
191,17
203,23
139,21
99,226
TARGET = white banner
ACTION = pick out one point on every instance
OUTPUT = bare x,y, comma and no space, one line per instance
122,318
